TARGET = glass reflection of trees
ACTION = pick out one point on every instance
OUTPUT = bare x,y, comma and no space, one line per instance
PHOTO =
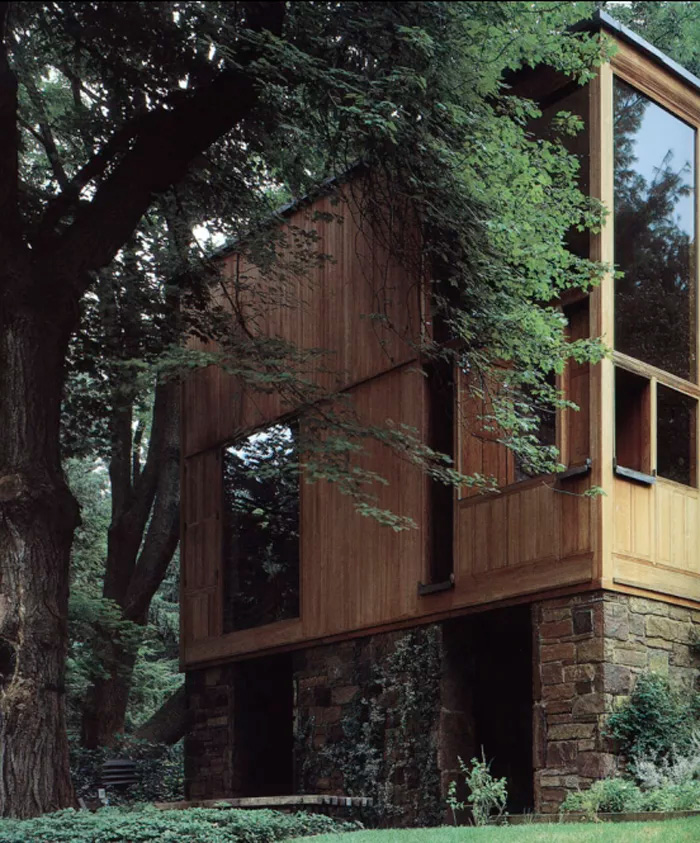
654,233
261,529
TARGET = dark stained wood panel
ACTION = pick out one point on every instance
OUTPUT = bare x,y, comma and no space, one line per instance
355,571
201,611
358,307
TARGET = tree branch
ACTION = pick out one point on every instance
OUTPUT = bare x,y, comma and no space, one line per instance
166,143
164,528
9,146
45,135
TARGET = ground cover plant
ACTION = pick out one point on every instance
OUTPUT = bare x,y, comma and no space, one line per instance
205,825
669,831
657,731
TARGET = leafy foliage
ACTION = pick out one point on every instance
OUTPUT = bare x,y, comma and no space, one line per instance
619,795
389,732
656,720
92,618
139,825
159,771
487,795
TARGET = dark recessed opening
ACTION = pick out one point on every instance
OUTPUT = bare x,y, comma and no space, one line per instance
487,697
263,739
441,399
632,413
675,436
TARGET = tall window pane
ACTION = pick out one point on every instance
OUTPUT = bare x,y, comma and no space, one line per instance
654,233
261,528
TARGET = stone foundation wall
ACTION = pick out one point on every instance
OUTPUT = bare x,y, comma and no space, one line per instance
387,715
208,767
588,649
367,715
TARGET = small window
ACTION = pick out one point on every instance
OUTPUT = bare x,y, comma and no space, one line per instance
675,436
632,413
441,418
261,528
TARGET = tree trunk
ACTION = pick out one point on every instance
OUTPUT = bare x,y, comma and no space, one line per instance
136,563
105,707
38,515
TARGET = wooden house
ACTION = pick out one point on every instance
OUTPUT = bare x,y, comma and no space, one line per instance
507,621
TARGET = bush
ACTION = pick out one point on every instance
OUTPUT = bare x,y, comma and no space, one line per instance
655,720
680,767
607,796
672,797
138,825
159,771
614,796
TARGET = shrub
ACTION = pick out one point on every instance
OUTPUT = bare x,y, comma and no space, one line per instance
672,797
607,796
655,720
621,795
138,825
680,767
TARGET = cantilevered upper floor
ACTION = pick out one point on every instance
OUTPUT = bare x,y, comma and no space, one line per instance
270,561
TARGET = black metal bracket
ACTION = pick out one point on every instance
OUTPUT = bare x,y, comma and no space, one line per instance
576,470
633,474
436,587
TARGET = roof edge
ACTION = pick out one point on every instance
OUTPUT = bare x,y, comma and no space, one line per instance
602,20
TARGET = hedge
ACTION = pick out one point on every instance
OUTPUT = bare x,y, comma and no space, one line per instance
145,823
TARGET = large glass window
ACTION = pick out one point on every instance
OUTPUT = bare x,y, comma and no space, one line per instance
654,233
261,528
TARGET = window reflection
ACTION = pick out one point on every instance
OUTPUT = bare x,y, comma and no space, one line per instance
654,233
261,528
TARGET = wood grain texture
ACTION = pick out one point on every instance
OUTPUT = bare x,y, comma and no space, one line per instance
333,290
355,571
201,613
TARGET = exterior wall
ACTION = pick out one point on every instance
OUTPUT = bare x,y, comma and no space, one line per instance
386,716
588,651
367,720
208,745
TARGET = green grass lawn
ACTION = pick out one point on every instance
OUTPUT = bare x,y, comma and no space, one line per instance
668,831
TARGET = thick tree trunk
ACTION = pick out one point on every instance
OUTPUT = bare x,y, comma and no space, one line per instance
38,515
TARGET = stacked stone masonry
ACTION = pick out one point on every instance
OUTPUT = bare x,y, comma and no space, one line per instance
387,715
208,768
588,651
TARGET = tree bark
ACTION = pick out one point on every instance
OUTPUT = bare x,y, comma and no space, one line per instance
38,515
40,290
